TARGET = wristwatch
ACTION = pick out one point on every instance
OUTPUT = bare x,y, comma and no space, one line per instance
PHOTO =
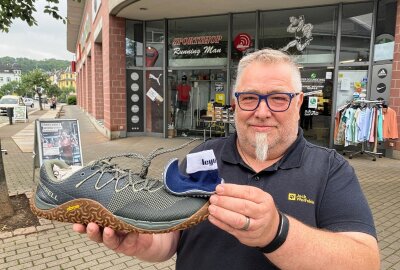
280,237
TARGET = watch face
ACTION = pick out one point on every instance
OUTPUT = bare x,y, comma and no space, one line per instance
135,119
135,108
134,87
135,98
135,76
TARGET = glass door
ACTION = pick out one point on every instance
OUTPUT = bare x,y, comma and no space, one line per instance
315,112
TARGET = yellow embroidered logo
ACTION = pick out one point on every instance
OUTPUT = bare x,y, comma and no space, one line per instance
299,198
73,207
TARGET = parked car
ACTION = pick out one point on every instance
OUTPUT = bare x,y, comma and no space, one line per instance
29,102
9,101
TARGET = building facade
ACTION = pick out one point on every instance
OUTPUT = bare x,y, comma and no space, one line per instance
144,67
9,73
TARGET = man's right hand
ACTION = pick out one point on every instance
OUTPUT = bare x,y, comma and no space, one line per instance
131,244
148,247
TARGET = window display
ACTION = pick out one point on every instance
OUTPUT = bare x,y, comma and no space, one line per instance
194,94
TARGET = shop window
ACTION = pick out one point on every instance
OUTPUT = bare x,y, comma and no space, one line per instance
154,51
352,84
356,32
134,44
308,33
198,41
385,29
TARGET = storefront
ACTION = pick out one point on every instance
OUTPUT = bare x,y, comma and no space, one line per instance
179,72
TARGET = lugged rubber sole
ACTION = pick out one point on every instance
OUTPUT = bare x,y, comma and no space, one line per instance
84,211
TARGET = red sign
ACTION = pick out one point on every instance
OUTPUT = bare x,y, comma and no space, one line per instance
242,42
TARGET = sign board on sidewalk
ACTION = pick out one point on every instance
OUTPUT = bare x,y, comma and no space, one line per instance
20,113
57,139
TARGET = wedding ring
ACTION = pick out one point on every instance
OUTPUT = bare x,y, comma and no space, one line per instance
246,225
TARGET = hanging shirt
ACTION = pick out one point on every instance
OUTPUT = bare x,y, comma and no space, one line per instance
183,92
372,129
390,129
366,124
379,125
349,130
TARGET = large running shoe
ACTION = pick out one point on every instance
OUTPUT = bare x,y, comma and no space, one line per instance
121,199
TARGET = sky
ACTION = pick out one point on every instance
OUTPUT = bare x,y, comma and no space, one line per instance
46,40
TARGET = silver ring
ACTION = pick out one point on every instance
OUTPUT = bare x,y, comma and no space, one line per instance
246,225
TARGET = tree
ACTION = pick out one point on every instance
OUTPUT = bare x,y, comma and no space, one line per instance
24,10
36,80
53,90
13,87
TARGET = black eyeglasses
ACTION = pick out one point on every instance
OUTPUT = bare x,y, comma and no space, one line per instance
276,102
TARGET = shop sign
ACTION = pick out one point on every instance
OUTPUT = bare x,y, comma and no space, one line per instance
242,42
207,46
381,87
382,73
314,81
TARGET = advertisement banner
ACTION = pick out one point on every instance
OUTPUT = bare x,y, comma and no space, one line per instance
20,113
58,139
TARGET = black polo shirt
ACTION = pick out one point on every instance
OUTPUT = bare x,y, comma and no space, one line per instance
313,184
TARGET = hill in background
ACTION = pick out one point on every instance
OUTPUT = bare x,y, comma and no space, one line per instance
27,65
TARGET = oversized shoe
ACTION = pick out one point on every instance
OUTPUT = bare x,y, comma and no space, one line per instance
111,197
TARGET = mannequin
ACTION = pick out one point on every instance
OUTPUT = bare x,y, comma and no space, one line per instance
183,98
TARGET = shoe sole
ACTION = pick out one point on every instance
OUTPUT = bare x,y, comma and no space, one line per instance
84,211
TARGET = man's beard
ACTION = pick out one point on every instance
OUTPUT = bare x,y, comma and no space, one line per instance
261,146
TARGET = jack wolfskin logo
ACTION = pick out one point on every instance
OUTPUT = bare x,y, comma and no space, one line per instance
299,198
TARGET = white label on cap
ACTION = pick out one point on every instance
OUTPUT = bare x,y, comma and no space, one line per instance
201,161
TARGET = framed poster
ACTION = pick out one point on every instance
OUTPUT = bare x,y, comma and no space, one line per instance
20,113
58,139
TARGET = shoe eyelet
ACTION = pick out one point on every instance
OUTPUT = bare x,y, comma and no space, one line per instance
83,174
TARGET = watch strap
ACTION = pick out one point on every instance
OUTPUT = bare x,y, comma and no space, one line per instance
280,237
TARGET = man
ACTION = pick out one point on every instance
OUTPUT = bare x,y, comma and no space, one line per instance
286,203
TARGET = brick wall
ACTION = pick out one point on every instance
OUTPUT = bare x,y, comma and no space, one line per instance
394,101
114,81
88,81
97,81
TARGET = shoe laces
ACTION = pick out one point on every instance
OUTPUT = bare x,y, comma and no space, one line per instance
138,181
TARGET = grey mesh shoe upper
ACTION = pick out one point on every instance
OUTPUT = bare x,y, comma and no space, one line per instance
127,194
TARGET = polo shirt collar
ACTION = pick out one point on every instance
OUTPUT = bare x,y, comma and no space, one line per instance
291,159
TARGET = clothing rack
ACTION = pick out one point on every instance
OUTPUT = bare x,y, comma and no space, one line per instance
373,153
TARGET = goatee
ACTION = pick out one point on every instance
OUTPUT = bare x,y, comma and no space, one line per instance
261,146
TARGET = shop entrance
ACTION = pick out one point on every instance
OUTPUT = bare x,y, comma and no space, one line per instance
315,113
193,95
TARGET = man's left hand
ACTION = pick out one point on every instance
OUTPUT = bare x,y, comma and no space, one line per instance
246,212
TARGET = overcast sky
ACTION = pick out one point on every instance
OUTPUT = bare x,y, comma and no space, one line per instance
46,40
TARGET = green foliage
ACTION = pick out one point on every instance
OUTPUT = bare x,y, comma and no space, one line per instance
71,100
13,87
65,92
27,65
53,90
35,78
25,10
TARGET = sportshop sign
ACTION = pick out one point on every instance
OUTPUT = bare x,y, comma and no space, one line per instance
206,46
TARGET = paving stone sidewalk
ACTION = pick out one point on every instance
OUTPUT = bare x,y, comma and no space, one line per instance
56,246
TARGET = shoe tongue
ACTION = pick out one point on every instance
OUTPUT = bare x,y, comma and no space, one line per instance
62,174
201,161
